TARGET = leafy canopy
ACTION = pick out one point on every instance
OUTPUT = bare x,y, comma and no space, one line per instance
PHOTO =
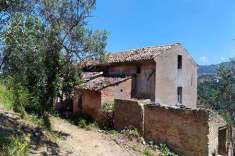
42,41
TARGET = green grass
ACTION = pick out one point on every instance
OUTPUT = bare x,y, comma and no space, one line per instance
6,97
13,145
83,121
166,151
147,152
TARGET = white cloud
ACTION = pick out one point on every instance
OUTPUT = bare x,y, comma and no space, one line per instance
223,59
204,58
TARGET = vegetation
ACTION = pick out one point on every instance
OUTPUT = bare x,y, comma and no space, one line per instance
166,151
131,134
42,40
219,92
147,152
83,121
13,145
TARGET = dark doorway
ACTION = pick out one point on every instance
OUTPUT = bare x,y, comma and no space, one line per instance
80,103
179,94
222,141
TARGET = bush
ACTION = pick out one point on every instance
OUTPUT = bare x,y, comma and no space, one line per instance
166,151
13,145
83,121
6,97
14,96
131,134
147,152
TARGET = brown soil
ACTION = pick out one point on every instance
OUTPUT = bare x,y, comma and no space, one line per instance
69,140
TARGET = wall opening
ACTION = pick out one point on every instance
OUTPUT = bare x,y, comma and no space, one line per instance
180,62
138,70
222,141
180,94
80,103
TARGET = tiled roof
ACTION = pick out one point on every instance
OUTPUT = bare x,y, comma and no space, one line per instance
86,76
142,54
101,82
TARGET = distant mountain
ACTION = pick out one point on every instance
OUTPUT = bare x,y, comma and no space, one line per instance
209,69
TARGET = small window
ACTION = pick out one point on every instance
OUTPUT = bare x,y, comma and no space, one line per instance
179,61
121,90
138,70
179,94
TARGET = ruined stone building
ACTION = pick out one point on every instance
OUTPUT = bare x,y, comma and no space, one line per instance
165,74
167,77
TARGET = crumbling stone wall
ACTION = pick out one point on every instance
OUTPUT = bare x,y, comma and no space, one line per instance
185,131
91,103
128,114
118,91
189,132
143,78
215,123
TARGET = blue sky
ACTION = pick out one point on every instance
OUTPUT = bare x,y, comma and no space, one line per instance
205,27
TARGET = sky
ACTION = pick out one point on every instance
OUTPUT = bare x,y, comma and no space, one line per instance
206,28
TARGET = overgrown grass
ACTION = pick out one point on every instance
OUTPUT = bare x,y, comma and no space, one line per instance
83,121
13,145
13,99
147,152
131,134
6,97
166,151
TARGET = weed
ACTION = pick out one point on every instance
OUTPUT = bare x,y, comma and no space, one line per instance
107,107
166,151
83,121
13,145
147,152
6,97
131,133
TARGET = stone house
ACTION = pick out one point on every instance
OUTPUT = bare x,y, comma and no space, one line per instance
167,75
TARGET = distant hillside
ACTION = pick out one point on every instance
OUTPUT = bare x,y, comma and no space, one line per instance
209,69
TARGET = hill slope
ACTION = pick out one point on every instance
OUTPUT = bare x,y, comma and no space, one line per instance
209,69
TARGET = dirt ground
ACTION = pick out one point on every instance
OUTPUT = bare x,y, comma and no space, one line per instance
87,143
69,140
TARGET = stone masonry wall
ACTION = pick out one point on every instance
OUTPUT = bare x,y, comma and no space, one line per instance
189,132
128,114
183,130
118,91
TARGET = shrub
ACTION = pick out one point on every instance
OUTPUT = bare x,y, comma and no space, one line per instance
166,151
82,121
131,133
14,96
147,152
108,106
106,119
6,97
13,145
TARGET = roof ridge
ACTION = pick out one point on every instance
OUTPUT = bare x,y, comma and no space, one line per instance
147,47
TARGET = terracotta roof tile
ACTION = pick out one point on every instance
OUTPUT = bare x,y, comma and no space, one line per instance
147,53
86,76
101,82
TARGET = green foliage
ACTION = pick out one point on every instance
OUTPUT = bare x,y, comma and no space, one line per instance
41,48
131,133
108,106
220,93
166,151
6,97
13,145
147,152
83,121
12,98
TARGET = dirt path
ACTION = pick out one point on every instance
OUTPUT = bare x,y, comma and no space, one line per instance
87,143
67,139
